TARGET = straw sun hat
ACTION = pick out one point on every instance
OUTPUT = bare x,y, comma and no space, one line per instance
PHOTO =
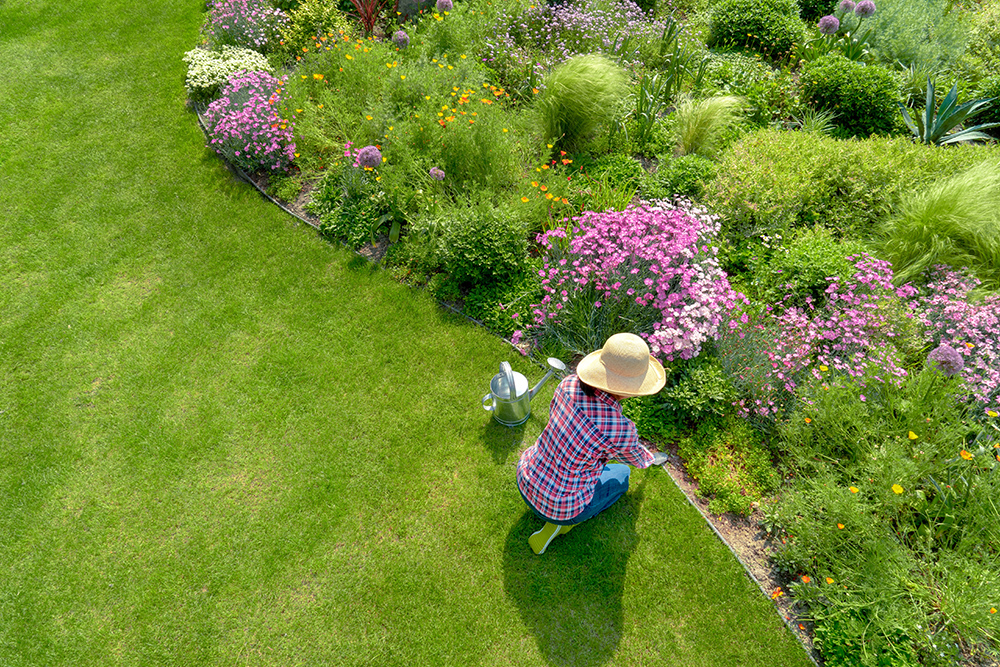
623,366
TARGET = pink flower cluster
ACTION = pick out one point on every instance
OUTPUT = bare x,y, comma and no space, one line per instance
655,259
852,334
250,24
244,124
970,325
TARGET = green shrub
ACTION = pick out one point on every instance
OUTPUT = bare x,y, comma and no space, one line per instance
685,175
496,303
864,97
927,33
982,55
579,95
990,89
771,94
312,26
772,181
797,275
769,27
955,221
812,10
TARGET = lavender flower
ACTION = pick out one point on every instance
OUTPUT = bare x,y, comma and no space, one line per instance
846,6
368,157
401,39
864,9
947,359
436,174
444,6
829,24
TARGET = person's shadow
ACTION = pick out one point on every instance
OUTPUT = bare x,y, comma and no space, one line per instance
570,597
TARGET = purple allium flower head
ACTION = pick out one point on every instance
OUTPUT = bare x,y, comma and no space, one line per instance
368,157
401,39
444,6
846,6
947,359
865,8
829,24
436,174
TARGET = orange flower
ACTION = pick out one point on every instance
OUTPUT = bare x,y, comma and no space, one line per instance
543,188
965,455
993,610
806,579
829,580
809,421
777,593
524,199
840,526
318,77
853,489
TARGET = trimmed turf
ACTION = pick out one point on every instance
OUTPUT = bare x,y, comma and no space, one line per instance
225,442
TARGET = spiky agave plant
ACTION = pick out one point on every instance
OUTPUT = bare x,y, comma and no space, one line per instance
936,123
700,123
954,222
578,97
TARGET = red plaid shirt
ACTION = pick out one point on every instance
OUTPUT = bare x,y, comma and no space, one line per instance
559,472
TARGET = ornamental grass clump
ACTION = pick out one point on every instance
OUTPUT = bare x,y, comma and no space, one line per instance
252,24
650,270
579,96
244,125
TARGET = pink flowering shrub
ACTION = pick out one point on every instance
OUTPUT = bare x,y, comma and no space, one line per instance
650,270
969,325
244,125
860,331
250,24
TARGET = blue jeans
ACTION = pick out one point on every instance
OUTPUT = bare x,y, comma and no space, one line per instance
612,485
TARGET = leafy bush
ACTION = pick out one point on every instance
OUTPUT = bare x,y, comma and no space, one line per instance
956,222
685,176
312,26
251,24
208,70
863,97
771,94
990,89
579,95
244,125
649,270
498,305
812,10
799,274
771,181
927,33
769,27
982,55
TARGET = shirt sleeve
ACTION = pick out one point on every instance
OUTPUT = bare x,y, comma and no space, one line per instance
623,438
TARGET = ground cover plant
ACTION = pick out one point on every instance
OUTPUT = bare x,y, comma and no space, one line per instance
825,307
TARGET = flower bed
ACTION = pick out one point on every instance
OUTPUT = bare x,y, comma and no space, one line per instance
518,157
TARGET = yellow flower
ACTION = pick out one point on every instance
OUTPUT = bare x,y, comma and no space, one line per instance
993,610
969,345
298,111
897,489
808,421
402,76
965,455
829,580
912,436
368,117
840,526
992,413
524,199
534,184
548,195
318,77
823,368
853,489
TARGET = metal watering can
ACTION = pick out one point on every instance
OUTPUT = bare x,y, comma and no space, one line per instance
509,399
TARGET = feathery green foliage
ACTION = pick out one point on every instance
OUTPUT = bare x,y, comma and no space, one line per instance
955,222
700,124
580,95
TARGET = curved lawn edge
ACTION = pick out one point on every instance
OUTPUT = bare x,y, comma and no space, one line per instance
803,636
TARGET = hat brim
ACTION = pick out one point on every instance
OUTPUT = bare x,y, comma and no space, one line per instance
592,371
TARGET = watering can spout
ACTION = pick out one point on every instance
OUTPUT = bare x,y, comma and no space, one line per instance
554,365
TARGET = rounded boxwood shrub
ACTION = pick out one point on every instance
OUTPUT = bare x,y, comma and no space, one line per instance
770,27
863,96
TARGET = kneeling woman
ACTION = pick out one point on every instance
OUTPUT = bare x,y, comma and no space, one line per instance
565,477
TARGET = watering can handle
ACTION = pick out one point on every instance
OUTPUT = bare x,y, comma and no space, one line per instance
509,375
488,402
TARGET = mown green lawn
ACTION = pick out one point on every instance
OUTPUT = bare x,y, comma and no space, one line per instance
225,442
